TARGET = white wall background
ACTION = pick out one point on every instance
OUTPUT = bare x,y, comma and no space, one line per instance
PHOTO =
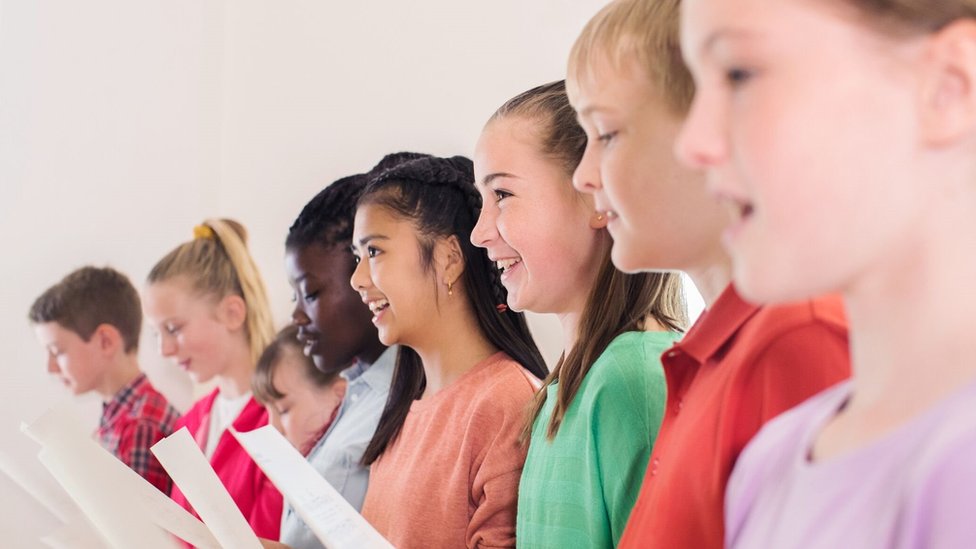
123,123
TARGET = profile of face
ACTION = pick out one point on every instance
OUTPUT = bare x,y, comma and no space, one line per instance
77,363
533,223
660,215
333,324
402,294
194,330
814,173
305,408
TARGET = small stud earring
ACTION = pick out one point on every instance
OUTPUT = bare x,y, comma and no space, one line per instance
450,288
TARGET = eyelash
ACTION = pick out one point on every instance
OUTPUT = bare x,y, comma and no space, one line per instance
370,251
737,76
501,195
606,138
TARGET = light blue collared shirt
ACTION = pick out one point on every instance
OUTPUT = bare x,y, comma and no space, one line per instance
337,455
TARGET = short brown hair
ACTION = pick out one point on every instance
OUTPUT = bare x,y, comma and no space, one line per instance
261,384
646,31
88,298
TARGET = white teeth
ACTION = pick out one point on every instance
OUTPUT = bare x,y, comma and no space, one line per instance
505,264
378,305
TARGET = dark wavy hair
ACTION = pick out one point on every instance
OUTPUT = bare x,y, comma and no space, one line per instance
438,196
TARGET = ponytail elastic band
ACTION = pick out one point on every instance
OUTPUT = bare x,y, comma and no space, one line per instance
203,231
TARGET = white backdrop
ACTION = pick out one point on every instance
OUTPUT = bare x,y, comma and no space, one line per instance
123,123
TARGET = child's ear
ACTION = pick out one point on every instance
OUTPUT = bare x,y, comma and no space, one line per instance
450,260
232,312
108,339
948,99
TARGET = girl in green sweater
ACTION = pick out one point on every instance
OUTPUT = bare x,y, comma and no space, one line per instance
594,422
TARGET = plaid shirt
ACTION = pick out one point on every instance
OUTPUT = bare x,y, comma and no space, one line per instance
135,419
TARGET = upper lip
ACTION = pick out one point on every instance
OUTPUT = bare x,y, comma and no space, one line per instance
306,336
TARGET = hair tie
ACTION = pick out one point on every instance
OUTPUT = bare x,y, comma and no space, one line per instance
501,307
203,231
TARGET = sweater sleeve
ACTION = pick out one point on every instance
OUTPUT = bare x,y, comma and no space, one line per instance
494,491
627,413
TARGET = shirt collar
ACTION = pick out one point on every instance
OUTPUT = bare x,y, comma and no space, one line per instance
717,325
124,398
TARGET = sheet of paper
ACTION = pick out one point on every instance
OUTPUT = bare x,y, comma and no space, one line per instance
122,524
75,534
61,435
330,517
190,470
40,487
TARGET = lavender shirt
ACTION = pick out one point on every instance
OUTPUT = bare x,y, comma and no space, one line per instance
914,487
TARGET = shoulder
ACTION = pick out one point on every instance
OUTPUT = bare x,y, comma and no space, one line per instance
822,317
630,365
193,417
151,405
502,388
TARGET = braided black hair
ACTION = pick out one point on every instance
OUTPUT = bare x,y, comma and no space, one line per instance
438,196
327,218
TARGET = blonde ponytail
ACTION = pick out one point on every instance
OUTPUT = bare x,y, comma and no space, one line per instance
217,263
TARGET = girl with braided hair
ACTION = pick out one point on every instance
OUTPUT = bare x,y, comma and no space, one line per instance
593,427
208,304
335,330
446,459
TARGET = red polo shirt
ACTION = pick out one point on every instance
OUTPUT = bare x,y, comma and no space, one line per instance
738,367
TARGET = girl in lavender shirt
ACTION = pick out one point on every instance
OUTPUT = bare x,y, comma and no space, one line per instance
842,136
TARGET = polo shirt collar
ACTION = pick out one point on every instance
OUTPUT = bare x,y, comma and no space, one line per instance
717,325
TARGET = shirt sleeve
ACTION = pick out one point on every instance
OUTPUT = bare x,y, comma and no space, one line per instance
134,443
627,415
495,487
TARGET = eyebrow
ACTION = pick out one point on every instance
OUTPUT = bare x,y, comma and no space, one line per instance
717,36
588,110
364,240
493,176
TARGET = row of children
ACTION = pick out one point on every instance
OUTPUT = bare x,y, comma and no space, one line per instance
863,187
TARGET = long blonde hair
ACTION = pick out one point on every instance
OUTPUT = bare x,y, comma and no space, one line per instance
217,264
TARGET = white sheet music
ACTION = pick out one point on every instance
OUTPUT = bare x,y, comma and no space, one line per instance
121,524
190,470
330,517
64,438
77,533
43,489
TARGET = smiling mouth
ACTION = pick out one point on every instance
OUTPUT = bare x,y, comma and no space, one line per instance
506,264
378,306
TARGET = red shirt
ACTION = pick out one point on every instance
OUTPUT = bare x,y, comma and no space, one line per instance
738,367
137,417
255,495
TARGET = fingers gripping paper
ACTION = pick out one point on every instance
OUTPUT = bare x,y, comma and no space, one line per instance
190,470
333,521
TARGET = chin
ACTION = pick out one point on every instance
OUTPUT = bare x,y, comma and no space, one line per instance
626,260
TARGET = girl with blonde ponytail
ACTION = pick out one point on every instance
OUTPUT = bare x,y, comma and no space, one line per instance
208,303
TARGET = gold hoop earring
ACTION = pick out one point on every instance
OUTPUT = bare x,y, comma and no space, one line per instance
450,288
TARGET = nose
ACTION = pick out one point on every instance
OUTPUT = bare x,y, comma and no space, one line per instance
167,345
360,276
586,178
486,229
701,143
298,316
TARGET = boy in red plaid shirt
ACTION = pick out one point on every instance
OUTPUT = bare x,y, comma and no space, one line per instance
89,322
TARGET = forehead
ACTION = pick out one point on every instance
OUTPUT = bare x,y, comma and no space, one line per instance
53,333
374,220
510,145
171,298
317,260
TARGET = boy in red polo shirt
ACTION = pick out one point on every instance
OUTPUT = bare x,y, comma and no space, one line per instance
740,364
89,322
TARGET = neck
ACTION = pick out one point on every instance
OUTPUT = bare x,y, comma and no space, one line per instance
235,380
570,325
124,370
372,353
712,278
910,340
452,345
